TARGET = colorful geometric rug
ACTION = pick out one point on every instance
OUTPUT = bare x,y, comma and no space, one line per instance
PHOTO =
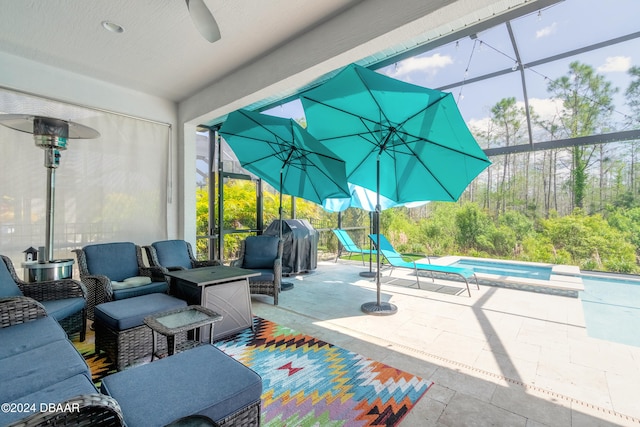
308,382
99,364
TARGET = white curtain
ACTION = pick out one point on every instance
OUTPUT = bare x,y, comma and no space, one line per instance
113,188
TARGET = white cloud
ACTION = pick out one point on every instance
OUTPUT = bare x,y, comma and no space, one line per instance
547,31
545,108
615,64
479,125
426,64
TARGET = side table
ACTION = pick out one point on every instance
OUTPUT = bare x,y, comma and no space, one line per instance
184,319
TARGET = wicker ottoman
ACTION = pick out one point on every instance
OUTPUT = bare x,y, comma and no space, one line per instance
120,329
201,381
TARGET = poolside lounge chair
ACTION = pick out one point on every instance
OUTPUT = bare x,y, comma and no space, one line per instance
396,260
349,246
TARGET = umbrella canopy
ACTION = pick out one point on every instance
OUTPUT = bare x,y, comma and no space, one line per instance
425,148
286,156
405,142
365,199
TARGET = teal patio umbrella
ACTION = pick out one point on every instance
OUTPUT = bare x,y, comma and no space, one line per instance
286,156
405,142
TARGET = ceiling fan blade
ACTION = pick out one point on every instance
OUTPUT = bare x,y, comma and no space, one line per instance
203,20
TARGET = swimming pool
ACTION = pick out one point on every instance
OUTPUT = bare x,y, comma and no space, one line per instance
530,276
511,269
611,307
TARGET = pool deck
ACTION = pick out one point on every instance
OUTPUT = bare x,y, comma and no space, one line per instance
502,357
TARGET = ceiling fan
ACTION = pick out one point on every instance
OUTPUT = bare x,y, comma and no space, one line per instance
203,20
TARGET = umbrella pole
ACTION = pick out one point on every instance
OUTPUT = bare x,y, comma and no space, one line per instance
369,273
284,286
280,208
378,308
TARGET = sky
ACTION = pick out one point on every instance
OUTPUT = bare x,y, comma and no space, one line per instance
566,26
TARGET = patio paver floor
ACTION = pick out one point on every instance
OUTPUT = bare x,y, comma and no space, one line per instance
502,357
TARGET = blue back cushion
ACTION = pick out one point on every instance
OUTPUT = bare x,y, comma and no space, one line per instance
8,288
172,253
260,251
117,261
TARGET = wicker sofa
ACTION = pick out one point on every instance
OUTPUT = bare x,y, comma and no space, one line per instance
65,300
42,373
46,382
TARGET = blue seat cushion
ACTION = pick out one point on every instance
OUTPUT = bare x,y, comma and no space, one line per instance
117,261
172,253
8,287
266,275
260,252
134,291
26,336
204,381
62,308
58,392
38,368
129,313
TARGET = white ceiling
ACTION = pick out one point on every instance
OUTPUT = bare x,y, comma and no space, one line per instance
268,47
160,52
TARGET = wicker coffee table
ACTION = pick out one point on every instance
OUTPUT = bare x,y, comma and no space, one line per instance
181,320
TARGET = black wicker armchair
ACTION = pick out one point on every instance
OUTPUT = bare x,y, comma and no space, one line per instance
65,300
262,254
174,255
114,271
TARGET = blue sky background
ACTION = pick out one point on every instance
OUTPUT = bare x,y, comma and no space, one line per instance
569,25
566,26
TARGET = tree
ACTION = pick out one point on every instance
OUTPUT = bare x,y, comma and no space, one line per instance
587,100
632,95
508,119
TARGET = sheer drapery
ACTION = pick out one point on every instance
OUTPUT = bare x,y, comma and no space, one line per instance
113,188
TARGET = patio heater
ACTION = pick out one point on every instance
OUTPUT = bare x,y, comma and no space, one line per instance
51,135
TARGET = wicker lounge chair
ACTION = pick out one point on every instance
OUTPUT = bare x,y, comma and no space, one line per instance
113,271
347,245
396,260
262,254
174,255
65,300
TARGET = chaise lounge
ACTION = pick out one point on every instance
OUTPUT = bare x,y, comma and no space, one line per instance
348,245
396,260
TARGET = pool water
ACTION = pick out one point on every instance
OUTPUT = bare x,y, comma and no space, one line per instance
505,269
612,308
